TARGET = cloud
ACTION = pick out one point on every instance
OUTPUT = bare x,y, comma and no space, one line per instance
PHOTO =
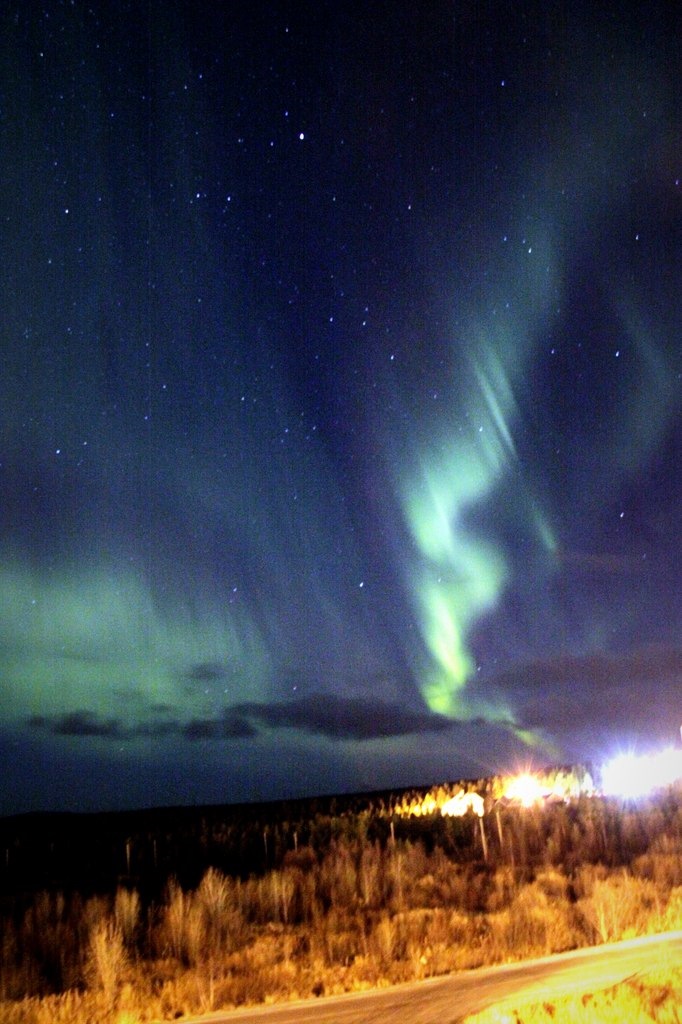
229,727
320,714
86,724
604,563
345,718
79,723
205,672
635,692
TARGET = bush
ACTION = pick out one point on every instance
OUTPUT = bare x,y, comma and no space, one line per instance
107,961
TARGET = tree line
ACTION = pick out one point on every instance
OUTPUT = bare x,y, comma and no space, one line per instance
352,900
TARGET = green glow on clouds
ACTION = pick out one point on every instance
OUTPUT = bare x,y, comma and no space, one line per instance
100,642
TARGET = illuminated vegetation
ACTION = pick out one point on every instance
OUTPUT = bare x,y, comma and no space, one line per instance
525,789
654,997
369,895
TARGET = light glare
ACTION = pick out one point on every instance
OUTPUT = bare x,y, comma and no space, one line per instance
632,776
525,789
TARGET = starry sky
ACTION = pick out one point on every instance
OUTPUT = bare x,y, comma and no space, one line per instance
340,395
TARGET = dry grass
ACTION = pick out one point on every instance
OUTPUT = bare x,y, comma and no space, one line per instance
70,1008
354,916
656,997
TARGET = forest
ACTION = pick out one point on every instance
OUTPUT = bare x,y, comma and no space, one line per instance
153,915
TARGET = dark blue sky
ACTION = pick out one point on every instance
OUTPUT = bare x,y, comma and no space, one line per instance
340,394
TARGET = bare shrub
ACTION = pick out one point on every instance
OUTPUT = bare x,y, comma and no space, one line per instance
311,906
107,960
70,1008
384,941
174,914
214,894
12,973
553,884
503,889
439,883
220,900
663,867
370,875
49,941
413,941
620,906
338,876
183,925
195,944
672,918
535,923
282,892
342,938
395,873
213,903
94,910
127,914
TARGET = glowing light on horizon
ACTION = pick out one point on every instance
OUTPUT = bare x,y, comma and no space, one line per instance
525,789
633,776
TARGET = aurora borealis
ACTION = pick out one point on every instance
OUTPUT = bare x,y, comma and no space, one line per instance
340,394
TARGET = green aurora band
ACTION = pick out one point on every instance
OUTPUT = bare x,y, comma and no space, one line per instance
100,643
459,575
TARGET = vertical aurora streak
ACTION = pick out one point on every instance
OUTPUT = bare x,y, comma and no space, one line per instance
461,572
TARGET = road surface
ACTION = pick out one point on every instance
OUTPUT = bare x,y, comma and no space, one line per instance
449,999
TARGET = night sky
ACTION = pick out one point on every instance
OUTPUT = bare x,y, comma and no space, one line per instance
340,394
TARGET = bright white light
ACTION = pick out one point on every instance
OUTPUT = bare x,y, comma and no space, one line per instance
458,805
525,789
632,775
